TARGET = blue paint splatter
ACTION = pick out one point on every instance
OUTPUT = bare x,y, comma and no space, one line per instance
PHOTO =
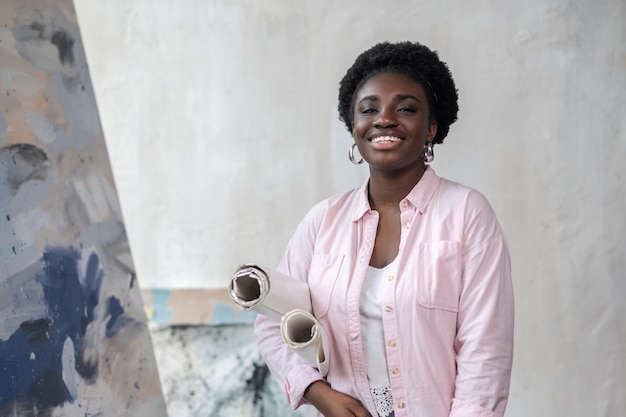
31,367
160,298
26,364
117,320
226,314
222,314
93,281
70,306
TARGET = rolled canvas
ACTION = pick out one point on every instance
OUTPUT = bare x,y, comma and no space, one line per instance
304,334
288,301
268,292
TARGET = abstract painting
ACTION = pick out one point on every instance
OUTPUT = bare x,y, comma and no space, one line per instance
217,371
73,334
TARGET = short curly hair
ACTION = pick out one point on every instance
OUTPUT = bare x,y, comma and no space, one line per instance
411,59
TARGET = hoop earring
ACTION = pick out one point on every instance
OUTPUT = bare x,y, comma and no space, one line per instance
428,154
351,155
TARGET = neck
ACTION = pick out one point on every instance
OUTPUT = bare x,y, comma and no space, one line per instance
387,190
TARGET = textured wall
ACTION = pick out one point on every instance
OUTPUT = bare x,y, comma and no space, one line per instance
221,124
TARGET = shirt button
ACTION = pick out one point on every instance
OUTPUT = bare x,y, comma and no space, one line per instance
388,309
389,277
407,225
404,203
400,405
395,371
392,343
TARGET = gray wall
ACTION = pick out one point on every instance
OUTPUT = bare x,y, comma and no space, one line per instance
221,125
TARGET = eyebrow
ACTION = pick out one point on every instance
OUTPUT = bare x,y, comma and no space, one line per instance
397,97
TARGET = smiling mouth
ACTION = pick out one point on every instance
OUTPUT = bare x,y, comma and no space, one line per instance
385,139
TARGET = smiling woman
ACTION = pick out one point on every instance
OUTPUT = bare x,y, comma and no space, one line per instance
220,121
392,124
409,274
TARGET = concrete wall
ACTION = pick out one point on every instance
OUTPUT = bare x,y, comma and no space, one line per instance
221,125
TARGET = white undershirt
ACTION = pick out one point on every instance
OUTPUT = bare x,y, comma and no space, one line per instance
373,337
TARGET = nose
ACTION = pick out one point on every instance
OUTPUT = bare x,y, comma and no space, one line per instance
386,118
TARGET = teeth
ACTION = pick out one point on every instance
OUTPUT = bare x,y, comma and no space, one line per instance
385,139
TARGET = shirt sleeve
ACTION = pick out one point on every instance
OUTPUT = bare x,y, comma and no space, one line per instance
294,374
484,341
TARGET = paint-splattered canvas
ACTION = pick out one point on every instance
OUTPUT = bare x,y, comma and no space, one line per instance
73,334
217,371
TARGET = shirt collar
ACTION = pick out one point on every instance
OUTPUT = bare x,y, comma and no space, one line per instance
419,196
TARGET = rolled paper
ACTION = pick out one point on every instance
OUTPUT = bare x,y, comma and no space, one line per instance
304,334
268,292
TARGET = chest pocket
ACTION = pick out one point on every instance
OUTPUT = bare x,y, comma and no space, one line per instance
322,281
440,269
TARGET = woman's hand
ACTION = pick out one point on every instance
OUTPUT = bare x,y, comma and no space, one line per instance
333,403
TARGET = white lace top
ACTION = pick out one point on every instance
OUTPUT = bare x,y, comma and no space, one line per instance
374,338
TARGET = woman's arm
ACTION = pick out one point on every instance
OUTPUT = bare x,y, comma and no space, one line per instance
292,372
333,403
484,340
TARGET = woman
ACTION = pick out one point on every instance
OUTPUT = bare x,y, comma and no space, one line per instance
409,274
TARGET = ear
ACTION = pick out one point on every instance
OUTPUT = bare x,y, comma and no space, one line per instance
432,130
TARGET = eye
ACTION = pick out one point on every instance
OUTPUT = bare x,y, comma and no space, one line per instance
367,110
406,109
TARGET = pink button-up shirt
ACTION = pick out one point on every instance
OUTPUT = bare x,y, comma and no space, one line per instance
447,311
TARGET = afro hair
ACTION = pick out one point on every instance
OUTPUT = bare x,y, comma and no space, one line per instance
413,60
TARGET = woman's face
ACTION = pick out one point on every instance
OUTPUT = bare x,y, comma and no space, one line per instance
391,122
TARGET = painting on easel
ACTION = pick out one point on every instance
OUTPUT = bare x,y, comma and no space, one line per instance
73,334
